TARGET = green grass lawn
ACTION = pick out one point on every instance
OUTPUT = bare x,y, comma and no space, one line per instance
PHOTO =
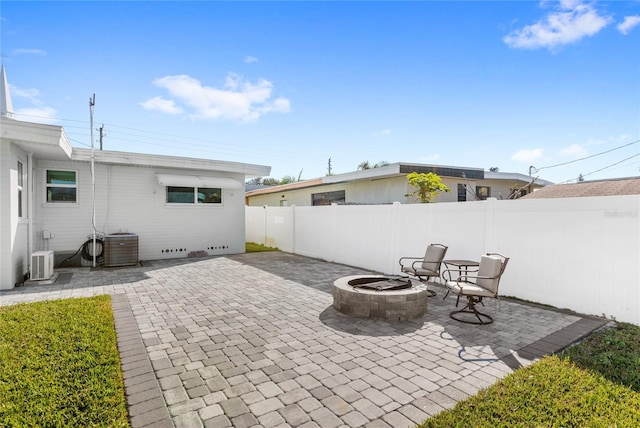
60,365
593,384
252,247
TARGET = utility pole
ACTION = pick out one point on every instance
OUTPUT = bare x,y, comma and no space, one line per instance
329,167
102,135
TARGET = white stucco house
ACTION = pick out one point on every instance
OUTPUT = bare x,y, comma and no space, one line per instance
388,184
51,201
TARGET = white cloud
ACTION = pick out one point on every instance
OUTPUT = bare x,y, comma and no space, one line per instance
29,52
431,158
574,151
45,115
250,59
629,22
570,22
527,155
382,133
238,99
162,105
38,112
31,94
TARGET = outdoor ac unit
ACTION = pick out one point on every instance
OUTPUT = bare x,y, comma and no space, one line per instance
120,249
41,265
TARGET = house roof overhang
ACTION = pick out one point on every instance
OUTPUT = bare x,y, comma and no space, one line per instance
514,176
50,142
44,141
402,169
174,162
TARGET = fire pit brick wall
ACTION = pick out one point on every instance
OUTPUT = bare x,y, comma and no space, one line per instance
372,304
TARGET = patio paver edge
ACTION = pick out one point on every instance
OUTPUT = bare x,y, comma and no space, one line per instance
140,381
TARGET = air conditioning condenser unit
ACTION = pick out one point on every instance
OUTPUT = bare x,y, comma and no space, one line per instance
41,265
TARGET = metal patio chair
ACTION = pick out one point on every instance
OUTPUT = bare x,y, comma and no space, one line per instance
483,283
425,267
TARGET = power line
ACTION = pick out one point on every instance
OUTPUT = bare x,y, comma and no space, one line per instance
602,169
214,147
584,158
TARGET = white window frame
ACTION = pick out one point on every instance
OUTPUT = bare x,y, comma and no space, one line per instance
20,188
194,202
67,186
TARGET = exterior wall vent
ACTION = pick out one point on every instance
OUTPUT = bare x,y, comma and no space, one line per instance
120,249
41,265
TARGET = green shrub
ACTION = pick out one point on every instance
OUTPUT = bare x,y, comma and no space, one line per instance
612,352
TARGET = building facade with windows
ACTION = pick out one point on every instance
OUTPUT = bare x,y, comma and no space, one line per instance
388,184
54,196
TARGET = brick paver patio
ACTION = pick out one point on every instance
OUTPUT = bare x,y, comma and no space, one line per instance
252,340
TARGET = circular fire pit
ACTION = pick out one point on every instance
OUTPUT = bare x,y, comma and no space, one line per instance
380,297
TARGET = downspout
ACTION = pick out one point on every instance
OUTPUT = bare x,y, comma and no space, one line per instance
29,207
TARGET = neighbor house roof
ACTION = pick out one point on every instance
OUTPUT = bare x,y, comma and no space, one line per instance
611,187
400,169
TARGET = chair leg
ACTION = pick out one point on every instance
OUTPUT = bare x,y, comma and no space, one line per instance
470,308
425,281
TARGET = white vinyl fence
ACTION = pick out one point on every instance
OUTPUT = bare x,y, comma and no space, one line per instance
581,254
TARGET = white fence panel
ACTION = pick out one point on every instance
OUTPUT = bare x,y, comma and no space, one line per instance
363,236
314,232
254,224
576,253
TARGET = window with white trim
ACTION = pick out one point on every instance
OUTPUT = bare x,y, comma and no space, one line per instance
462,192
328,198
20,185
192,195
61,186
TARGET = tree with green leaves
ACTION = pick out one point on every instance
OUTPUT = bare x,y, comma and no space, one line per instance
270,181
366,165
428,186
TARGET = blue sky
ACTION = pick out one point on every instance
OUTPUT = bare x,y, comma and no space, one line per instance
507,84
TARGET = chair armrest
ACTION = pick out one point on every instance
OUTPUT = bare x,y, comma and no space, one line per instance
446,274
408,258
466,279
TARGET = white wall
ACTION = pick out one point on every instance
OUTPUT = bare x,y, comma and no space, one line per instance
581,254
129,199
13,230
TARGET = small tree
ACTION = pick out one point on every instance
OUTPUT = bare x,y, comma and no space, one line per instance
270,181
287,179
429,186
364,165
256,181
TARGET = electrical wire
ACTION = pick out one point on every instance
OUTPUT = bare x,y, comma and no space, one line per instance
587,157
232,149
602,169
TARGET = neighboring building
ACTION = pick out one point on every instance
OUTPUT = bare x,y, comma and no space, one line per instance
388,184
175,206
610,187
